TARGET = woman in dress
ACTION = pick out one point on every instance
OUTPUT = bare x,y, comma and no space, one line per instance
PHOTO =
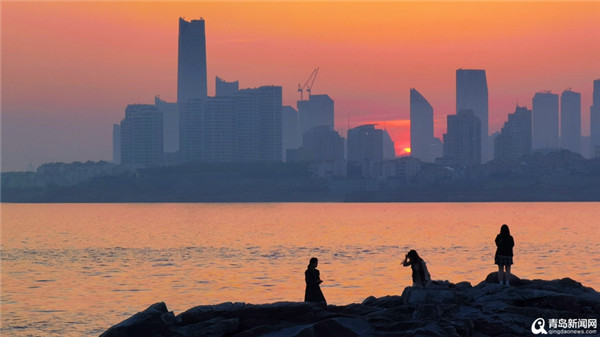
313,279
504,254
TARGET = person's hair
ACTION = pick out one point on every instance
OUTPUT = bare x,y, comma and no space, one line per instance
312,260
504,230
413,256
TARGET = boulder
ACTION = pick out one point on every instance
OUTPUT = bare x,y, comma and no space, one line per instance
155,321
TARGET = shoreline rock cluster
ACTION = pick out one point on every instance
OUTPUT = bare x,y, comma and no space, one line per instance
443,309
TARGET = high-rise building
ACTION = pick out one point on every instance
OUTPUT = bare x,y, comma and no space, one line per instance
142,135
366,143
224,88
514,139
170,113
389,151
191,65
595,120
545,120
472,94
116,136
219,130
462,141
191,87
421,127
570,121
243,127
318,110
289,129
321,144
260,123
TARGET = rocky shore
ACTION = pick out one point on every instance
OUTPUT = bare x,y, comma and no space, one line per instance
443,309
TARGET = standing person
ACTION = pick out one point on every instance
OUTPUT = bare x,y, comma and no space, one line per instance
504,254
313,279
420,274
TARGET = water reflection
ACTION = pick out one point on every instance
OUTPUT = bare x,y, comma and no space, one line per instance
60,267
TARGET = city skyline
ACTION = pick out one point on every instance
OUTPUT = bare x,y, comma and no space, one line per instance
59,108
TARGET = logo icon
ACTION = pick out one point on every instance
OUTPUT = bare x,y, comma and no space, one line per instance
538,327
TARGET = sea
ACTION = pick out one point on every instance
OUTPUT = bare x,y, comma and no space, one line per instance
78,269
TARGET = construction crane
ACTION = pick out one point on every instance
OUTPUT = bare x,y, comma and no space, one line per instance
308,84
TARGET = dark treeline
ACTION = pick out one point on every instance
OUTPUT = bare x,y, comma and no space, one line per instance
555,176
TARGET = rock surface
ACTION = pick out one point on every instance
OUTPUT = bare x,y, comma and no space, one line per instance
443,309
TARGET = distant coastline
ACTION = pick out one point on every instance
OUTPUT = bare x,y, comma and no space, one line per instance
556,176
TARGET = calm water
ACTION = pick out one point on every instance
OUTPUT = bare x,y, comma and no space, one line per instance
77,269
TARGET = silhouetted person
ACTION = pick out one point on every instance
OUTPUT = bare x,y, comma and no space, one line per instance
313,279
420,274
504,254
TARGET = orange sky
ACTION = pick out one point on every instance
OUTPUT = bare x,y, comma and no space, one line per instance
69,69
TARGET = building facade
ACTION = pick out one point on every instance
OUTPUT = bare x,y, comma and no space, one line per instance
224,88
191,62
116,137
570,121
366,143
142,135
595,120
289,129
514,139
472,94
318,110
170,113
322,144
545,120
462,141
421,127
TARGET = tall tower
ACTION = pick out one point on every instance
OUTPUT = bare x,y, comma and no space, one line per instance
595,120
421,127
472,94
191,62
545,120
570,121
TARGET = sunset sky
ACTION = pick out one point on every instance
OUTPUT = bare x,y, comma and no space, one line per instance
69,69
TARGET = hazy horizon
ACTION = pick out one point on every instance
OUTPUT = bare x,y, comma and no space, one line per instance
69,69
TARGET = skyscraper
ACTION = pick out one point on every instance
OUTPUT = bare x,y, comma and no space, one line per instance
570,121
191,63
514,139
318,110
472,94
421,127
191,87
142,135
462,141
595,120
545,120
